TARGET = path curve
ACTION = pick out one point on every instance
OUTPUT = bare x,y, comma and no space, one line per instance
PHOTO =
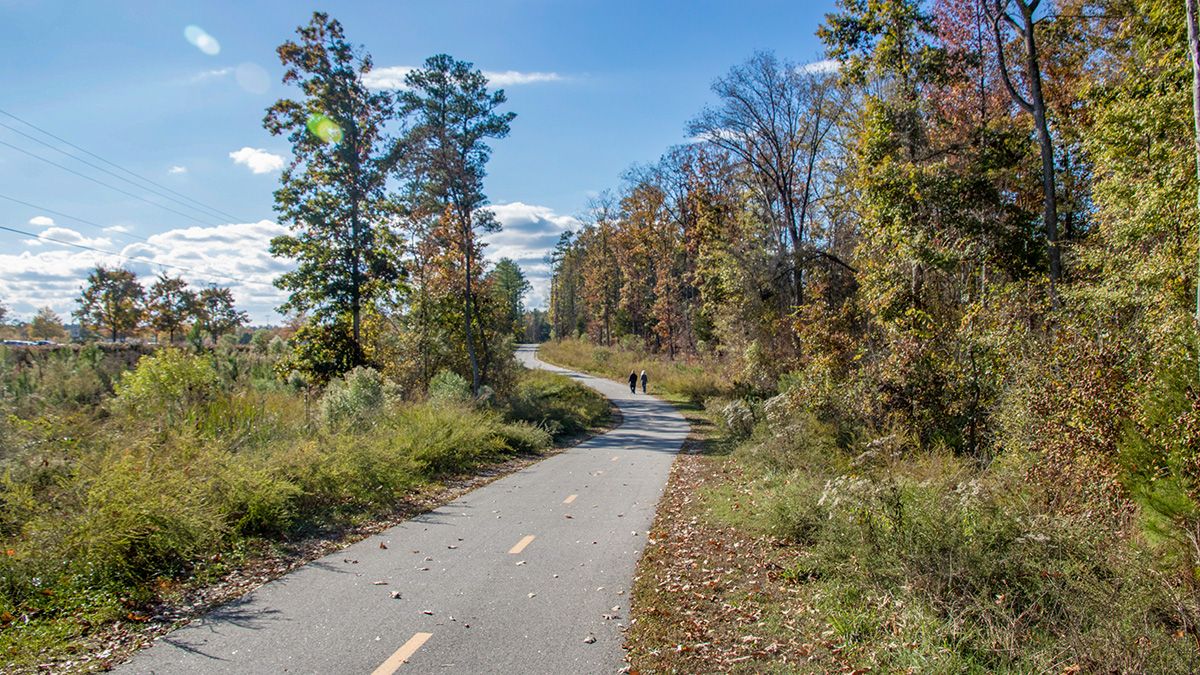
528,574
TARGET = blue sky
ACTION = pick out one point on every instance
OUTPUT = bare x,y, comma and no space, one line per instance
597,87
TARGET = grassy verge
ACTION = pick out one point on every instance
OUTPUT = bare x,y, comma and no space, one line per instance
790,544
116,520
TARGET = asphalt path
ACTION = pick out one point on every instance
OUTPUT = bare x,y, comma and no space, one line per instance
528,574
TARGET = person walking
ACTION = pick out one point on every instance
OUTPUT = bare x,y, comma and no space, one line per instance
633,381
643,381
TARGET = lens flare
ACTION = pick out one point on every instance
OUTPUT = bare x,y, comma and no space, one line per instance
203,41
325,129
253,78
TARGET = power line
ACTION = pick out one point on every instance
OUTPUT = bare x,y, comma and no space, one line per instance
206,211
118,166
111,187
63,215
135,259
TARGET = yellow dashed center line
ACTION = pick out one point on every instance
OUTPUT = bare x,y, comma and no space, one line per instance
522,544
613,459
388,667
570,499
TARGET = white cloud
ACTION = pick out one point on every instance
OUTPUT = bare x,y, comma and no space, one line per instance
258,160
177,169
824,67
529,233
234,255
41,221
211,74
511,77
65,236
392,77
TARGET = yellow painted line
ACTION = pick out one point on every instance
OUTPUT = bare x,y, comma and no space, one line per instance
402,655
522,544
570,499
613,459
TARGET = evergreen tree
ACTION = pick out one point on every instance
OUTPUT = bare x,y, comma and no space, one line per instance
334,194
453,115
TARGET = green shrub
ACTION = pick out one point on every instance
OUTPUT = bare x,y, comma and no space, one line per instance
166,385
523,438
556,403
448,387
360,395
277,346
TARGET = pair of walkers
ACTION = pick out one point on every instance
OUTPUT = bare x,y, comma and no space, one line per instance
633,380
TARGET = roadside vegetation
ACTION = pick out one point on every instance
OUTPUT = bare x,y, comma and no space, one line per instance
129,476
945,285
791,541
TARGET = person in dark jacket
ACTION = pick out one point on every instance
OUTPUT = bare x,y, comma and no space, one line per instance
644,381
633,381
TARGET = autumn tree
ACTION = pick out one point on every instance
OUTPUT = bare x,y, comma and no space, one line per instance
775,117
170,305
453,115
216,314
46,325
601,273
111,301
334,193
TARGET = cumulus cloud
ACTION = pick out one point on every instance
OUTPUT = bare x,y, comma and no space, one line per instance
234,255
529,233
41,221
62,235
258,160
392,77
177,169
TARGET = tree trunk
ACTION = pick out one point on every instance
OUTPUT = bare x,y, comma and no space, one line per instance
1050,200
1194,48
466,239
1036,106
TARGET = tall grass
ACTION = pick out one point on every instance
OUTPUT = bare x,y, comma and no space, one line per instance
921,560
188,457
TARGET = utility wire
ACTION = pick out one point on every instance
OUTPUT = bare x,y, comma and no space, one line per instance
81,220
111,187
206,211
135,259
117,166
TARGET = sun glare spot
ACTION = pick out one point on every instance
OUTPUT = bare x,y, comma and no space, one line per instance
324,128
253,78
203,41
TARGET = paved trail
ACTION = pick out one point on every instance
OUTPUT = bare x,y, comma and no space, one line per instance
528,574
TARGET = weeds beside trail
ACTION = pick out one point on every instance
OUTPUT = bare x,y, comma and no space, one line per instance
790,543
123,496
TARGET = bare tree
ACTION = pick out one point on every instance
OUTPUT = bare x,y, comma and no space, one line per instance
775,117
1001,17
